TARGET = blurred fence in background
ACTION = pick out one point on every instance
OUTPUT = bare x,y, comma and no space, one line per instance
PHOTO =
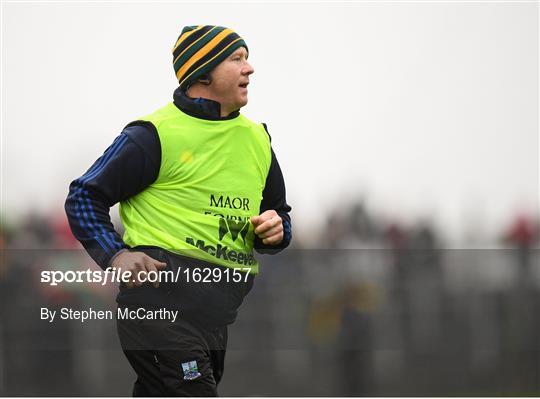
397,315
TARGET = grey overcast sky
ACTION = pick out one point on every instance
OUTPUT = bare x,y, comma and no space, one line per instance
426,108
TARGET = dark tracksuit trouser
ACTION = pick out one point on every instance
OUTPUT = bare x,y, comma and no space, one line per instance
160,370
160,350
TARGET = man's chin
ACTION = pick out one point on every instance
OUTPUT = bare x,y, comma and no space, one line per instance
242,103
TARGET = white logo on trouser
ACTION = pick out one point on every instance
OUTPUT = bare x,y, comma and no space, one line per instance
190,370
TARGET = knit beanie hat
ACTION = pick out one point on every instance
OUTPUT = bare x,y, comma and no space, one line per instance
199,49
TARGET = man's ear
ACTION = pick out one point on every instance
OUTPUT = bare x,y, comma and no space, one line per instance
205,80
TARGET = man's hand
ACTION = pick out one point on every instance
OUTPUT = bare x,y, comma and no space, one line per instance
268,227
135,262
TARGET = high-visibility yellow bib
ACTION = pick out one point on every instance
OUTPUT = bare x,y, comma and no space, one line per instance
210,182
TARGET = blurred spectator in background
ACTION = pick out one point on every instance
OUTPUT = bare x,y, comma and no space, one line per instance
522,234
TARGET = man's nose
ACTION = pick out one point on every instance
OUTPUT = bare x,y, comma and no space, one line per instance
248,69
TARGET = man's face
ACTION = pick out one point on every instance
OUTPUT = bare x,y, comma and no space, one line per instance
230,79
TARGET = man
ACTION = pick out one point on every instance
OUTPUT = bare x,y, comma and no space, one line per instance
199,187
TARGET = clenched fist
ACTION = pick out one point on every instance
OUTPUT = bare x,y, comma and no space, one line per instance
268,227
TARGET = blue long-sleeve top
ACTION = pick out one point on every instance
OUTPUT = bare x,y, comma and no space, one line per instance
129,165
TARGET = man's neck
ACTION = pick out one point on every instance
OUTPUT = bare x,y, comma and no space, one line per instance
200,91
201,107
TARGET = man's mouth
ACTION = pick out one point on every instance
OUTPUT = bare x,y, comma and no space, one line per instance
244,85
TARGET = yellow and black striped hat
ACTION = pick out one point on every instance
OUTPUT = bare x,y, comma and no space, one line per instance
199,49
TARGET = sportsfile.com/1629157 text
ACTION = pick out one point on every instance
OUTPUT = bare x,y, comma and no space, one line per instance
117,275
